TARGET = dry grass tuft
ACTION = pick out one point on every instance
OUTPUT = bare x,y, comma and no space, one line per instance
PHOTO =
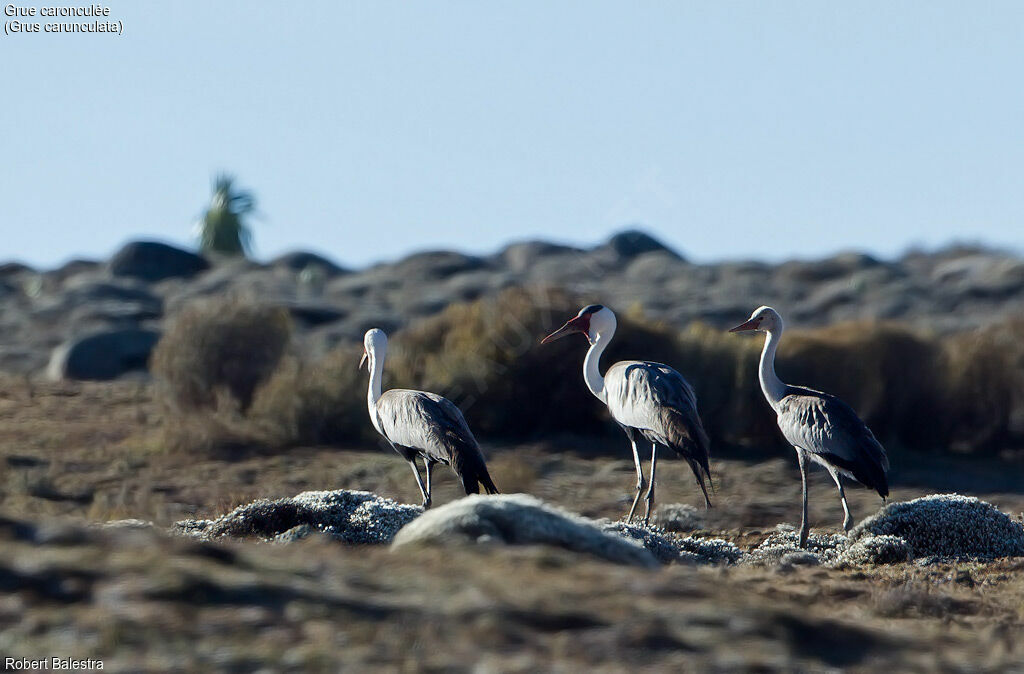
220,349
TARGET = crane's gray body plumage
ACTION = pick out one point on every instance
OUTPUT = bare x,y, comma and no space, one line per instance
657,402
418,423
833,435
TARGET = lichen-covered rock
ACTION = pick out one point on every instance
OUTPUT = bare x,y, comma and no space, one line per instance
949,526
871,549
679,517
791,560
520,519
662,546
708,550
348,516
668,548
785,541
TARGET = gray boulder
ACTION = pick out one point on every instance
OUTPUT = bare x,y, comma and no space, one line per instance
433,265
518,257
103,355
299,260
12,269
519,519
633,242
154,261
74,268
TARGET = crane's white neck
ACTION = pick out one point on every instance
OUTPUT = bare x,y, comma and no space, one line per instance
591,371
373,392
773,387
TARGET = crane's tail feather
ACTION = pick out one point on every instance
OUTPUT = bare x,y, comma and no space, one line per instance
687,437
469,465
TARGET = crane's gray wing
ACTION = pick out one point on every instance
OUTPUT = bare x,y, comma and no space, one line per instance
637,391
433,426
661,404
422,421
830,430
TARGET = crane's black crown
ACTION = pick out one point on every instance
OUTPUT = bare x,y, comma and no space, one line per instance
591,309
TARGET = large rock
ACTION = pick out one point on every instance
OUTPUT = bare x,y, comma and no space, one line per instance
87,290
11,269
519,519
521,256
74,268
634,242
155,261
103,355
299,260
433,265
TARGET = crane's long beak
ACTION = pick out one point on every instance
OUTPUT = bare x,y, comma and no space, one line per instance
744,327
362,360
576,324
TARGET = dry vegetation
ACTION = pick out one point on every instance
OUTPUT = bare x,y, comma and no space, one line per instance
963,392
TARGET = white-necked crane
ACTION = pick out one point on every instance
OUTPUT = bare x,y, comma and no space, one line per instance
424,425
821,427
648,400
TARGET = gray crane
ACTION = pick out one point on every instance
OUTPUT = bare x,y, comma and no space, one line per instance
821,427
422,425
648,400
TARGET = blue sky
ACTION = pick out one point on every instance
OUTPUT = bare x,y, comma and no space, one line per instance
368,130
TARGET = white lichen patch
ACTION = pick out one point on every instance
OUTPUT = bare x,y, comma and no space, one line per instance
784,541
350,516
870,549
672,548
947,526
681,517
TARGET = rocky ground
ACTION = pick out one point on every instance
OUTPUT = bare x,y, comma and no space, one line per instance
119,306
76,455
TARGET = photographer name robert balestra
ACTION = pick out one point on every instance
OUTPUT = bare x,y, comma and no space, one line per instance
56,664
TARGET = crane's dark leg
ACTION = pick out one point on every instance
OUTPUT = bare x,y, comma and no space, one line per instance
430,469
640,482
419,483
848,519
804,525
650,489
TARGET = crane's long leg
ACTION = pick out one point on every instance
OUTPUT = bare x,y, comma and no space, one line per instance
848,519
804,525
640,482
429,463
650,489
419,483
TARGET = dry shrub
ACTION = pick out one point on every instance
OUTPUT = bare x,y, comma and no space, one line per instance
983,408
913,389
314,404
220,350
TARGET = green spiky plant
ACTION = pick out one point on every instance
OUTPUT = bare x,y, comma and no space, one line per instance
223,229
